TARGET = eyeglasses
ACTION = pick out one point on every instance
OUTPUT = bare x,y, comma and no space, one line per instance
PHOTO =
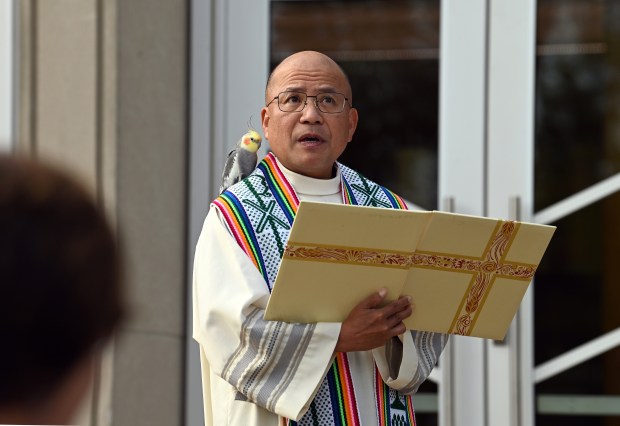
330,103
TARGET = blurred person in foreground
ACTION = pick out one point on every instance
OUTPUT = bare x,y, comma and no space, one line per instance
362,371
60,291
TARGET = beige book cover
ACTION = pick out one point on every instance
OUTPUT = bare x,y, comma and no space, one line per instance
466,274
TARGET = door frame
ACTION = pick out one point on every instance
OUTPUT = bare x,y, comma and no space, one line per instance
462,149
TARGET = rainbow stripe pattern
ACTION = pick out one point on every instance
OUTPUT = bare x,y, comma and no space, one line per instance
280,187
240,226
342,393
388,409
397,202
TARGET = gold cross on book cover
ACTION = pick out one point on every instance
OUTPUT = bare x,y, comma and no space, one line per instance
466,274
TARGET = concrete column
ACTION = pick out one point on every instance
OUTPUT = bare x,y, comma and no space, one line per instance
151,204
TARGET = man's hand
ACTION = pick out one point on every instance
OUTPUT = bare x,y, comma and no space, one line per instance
369,326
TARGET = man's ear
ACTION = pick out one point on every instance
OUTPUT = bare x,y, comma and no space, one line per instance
353,118
264,118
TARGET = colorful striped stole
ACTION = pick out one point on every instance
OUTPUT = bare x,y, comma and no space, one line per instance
259,212
240,227
394,409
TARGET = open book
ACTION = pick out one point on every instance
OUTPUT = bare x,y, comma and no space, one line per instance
466,274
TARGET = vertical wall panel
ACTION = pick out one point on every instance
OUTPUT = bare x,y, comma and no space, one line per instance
7,75
151,203
107,102
107,50
201,183
151,157
26,63
66,85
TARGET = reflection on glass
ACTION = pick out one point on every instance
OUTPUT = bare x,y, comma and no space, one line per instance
578,280
577,288
577,96
390,52
575,392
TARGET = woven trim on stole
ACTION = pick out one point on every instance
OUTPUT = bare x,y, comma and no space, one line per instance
358,190
394,408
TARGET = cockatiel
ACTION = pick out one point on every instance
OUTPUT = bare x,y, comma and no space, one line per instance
242,160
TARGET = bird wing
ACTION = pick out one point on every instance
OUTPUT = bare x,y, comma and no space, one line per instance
232,172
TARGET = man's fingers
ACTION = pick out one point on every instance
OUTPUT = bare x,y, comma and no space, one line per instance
398,317
370,324
402,304
373,300
399,328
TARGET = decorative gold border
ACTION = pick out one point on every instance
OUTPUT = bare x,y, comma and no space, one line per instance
347,255
467,315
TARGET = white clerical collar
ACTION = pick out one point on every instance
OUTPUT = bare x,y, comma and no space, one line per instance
312,186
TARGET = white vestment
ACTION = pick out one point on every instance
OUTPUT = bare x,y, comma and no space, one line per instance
229,298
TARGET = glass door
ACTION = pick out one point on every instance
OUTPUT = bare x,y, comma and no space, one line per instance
577,183
553,154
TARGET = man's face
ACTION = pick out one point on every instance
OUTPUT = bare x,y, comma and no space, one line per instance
308,142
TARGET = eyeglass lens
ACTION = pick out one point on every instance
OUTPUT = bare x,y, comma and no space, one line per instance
326,102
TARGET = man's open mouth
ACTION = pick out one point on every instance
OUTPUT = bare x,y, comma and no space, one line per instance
311,138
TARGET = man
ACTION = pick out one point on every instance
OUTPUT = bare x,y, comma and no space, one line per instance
60,292
258,372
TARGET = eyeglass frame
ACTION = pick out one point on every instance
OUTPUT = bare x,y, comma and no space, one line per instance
316,101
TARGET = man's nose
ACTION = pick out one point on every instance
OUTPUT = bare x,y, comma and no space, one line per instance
311,112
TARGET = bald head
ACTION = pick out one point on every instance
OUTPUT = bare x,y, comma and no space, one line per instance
308,141
307,60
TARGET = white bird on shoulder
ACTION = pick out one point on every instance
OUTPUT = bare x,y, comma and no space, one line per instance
242,160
